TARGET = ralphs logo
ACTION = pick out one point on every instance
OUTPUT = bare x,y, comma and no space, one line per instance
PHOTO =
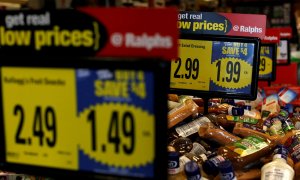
173,164
271,38
248,29
141,41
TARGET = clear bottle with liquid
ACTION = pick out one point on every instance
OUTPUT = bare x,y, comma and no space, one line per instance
278,169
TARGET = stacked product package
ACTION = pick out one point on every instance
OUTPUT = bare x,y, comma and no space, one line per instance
237,139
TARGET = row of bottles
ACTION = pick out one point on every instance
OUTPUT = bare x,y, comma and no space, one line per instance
233,141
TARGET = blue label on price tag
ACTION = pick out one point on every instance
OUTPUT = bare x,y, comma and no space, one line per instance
232,63
115,109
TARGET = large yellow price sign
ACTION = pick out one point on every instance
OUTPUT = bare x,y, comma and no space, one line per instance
265,65
191,69
39,128
231,73
117,135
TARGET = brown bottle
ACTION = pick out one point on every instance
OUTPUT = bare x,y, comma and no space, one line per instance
211,132
246,150
186,109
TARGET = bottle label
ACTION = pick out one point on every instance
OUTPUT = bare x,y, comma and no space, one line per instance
198,149
287,125
197,177
203,156
248,145
216,160
182,161
228,176
293,144
274,126
243,119
191,127
277,174
254,127
250,113
284,113
297,125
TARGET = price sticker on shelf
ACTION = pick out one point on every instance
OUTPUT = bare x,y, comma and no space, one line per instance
38,129
221,66
116,118
231,73
267,63
97,121
189,71
265,66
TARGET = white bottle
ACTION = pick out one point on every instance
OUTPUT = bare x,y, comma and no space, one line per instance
278,169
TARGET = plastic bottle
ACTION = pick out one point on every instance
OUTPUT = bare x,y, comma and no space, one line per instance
218,108
184,110
197,149
182,145
246,150
293,144
174,172
226,170
240,111
192,171
211,132
198,159
278,169
210,167
189,128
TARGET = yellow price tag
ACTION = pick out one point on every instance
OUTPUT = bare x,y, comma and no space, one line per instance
39,129
191,69
118,135
231,73
265,66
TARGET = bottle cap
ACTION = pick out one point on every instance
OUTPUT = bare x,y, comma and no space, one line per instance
280,152
210,167
173,163
192,170
183,145
247,107
226,170
228,101
237,111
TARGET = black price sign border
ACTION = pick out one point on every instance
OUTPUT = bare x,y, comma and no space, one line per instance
220,94
155,65
288,62
274,62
